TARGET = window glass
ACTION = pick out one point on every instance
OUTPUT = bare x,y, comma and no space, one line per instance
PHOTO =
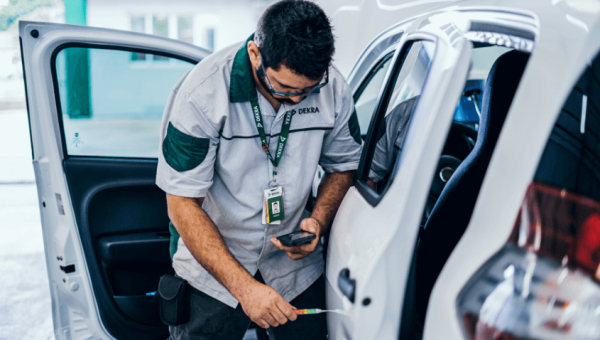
110,105
368,97
483,58
403,99
571,160
469,107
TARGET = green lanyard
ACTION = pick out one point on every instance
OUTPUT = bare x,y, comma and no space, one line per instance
285,130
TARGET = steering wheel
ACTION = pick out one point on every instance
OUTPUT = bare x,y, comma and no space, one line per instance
459,144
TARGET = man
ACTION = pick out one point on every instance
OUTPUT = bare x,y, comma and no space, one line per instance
248,122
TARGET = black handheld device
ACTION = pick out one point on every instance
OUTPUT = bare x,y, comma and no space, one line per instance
296,238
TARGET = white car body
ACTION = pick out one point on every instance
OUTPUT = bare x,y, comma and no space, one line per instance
377,245
375,241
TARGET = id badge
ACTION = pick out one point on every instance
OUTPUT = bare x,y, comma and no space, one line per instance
273,206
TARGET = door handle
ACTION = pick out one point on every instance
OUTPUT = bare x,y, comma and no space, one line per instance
346,284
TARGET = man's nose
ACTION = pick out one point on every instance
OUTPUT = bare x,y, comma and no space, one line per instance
297,99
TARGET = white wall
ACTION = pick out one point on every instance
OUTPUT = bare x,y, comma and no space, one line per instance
233,20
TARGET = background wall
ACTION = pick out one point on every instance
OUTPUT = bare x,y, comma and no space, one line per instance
230,20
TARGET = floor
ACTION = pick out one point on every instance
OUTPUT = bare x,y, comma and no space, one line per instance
25,304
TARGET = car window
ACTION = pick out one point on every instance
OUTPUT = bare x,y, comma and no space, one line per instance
468,110
111,104
366,96
572,158
401,104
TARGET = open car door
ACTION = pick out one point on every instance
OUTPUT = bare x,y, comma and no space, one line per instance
374,233
95,99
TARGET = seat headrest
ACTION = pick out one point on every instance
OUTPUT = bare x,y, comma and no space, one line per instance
499,90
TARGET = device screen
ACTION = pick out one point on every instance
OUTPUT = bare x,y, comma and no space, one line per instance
300,235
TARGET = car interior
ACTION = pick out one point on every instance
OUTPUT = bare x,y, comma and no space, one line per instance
456,185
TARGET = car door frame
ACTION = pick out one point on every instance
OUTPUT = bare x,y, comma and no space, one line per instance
75,307
377,49
377,310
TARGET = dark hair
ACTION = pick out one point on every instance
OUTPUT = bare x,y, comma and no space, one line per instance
297,34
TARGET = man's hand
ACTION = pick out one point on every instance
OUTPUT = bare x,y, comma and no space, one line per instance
331,192
295,253
261,303
266,307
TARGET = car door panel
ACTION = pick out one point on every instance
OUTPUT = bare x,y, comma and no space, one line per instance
104,221
122,219
373,235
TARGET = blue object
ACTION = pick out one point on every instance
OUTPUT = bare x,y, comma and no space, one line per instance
151,294
470,103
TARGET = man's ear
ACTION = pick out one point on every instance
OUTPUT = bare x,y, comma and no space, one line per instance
253,53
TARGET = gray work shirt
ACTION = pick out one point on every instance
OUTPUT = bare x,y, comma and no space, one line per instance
210,148
390,139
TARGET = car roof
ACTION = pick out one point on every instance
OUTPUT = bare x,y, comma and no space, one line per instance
566,25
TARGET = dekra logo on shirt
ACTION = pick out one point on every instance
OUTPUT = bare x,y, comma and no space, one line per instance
308,110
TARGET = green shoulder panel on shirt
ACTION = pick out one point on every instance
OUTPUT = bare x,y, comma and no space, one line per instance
183,152
354,127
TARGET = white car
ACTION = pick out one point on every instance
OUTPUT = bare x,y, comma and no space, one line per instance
475,213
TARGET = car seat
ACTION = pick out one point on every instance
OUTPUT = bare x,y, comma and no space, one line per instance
452,212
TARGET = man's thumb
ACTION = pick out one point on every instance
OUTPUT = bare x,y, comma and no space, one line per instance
310,225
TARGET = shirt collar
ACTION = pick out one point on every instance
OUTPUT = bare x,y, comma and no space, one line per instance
241,88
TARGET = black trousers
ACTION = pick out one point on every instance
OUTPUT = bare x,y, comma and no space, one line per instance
211,319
